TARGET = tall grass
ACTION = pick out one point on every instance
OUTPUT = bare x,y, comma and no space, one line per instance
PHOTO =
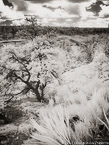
73,123
55,128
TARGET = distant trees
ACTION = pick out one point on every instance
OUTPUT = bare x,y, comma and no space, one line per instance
8,32
13,32
31,29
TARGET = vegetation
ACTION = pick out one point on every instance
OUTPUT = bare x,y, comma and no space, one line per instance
65,74
85,105
33,29
24,67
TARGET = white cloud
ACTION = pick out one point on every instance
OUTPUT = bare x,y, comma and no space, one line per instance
37,9
83,13
75,14
9,12
57,3
93,23
105,11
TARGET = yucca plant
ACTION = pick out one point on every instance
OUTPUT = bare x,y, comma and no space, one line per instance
54,128
106,124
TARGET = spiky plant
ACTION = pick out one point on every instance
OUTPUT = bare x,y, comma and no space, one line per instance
106,124
54,128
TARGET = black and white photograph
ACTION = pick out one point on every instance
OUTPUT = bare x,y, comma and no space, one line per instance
54,72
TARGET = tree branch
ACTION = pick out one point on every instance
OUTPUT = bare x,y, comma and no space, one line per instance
26,70
9,100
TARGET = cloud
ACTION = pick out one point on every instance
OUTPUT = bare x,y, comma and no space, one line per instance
47,1
20,4
65,7
7,3
63,22
72,9
78,1
9,13
93,23
96,7
106,16
52,8
69,20
39,1
56,12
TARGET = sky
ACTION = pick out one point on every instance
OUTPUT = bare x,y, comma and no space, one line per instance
64,13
